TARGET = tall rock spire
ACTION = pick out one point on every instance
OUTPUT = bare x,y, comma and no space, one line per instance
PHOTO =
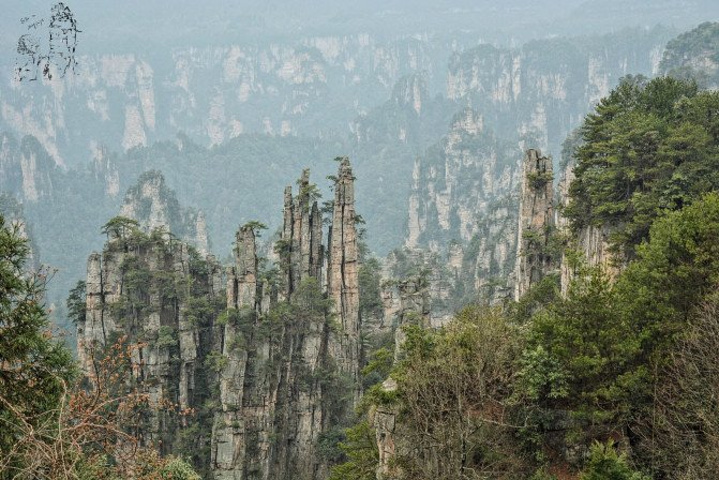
342,275
300,249
536,219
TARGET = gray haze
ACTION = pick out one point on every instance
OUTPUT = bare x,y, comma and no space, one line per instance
230,99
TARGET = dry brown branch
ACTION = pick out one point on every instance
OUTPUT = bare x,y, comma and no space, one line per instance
86,435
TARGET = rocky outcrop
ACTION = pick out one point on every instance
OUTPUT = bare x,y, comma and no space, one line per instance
269,369
154,206
536,222
232,428
26,169
213,92
456,180
553,82
160,295
694,54
588,247
276,388
413,309
384,421
300,247
12,211
463,207
342,273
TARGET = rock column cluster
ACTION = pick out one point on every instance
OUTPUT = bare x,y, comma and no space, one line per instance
270,370
143,291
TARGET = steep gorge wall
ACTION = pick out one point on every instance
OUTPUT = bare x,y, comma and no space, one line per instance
553,82
161,294
213,93
463,208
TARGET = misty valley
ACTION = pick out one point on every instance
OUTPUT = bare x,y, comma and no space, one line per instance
371,241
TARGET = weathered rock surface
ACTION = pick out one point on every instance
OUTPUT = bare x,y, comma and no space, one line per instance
155,293
269,369
154,206
592,243
463,208
342,273
536,222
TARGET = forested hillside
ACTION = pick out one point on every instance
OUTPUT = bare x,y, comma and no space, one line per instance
613,379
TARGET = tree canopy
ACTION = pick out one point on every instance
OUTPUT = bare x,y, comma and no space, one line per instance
650,147
34,367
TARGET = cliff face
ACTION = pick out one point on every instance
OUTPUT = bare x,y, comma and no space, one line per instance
272,386
536,222
26,169
591,243
463,208
12,212
153,205
215,93
342,274
385,100
553,82
456,180
288,381
266,370
694,54
162,295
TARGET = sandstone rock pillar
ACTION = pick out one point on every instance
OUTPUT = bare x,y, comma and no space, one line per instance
536,220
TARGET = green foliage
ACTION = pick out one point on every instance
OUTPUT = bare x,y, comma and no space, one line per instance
77,303
119,227
256,227
216,361
166,337
309,303
540,295
675,269
689,50
329,445
177,469
650,147
453,398
360,448
542,474
606,464
380,363
578,352
370,275
602,353
34,367
539,180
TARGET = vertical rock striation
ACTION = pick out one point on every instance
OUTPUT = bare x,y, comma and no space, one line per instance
536,221
591,242
463,207
154,206
158,295
342,274
264,368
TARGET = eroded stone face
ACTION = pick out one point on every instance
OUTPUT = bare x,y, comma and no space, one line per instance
267,374
342,274
536,218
